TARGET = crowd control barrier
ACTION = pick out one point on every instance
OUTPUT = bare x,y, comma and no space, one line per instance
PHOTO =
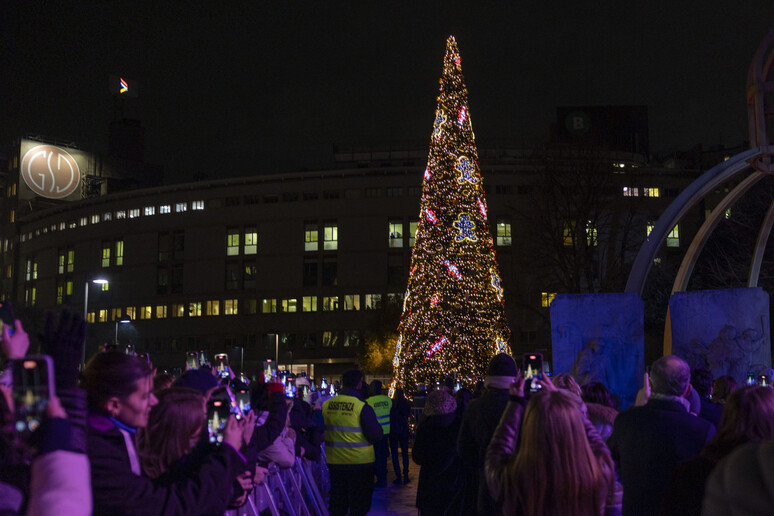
297,491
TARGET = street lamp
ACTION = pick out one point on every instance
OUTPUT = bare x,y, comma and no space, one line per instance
123,320
98,281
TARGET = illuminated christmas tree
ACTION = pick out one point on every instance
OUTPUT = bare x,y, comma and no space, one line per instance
453,318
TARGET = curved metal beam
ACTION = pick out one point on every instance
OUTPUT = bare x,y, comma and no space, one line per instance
706,229
687,199
760,247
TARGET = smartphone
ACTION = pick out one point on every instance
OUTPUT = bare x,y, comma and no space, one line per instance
763,381
192,360
751,380
269,369
243,400
332,390
203,360
532,366
144,356
33,386
457,386
218,411
130,349
7,318
323,384
304,390
290,389
283,376
221,365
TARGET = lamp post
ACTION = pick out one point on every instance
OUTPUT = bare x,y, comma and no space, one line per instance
98,281
276,349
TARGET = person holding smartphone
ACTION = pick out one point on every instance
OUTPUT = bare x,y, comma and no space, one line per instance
120,399
561,465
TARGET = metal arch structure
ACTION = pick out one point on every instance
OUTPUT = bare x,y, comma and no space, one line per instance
758,159
687,199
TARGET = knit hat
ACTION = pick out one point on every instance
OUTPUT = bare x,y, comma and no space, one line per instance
199,379
502,371
439,403
376,388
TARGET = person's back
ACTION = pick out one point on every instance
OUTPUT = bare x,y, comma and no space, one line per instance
478,425
742,484
649,441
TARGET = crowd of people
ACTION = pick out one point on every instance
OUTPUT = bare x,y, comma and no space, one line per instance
119,439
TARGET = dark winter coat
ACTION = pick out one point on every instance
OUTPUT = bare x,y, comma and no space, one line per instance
399,415
647,444
440,477
478,425
117,491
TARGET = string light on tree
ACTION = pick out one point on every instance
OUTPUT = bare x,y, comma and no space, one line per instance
453,318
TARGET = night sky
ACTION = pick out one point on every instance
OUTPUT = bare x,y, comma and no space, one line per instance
231,88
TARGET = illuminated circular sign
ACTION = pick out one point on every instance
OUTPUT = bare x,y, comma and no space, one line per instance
50,171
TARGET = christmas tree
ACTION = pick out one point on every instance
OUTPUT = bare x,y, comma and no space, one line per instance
453,318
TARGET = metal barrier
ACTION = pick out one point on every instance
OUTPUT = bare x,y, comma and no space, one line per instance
293,491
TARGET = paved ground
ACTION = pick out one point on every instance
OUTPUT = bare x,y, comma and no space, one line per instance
395,500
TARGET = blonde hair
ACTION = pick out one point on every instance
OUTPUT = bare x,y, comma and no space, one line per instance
171,426
556,472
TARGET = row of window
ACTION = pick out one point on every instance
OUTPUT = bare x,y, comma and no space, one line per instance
217,307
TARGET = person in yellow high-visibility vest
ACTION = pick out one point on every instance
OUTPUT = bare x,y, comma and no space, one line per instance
351,430
381,405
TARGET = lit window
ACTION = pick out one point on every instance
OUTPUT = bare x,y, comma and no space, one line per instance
107,216
546,298
309,303
161,311
311,235
146,312
178,310
106,255
150,210
90,317
373,301
231,306
197,205
62,226
12,216
352,302
69,288
650,192
134,213
103,315
504,233
165,208
70,260
104,287
330,303
631,192
591,234
329,339
180,207
194,309
673,238
395,234
213,307
649,227
9,272
131,312
289,305
28,270
59,294
119,252
95,219
121,214
251,241
330,237
412,232
115,314
232,242
394,298
268,306
84,221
